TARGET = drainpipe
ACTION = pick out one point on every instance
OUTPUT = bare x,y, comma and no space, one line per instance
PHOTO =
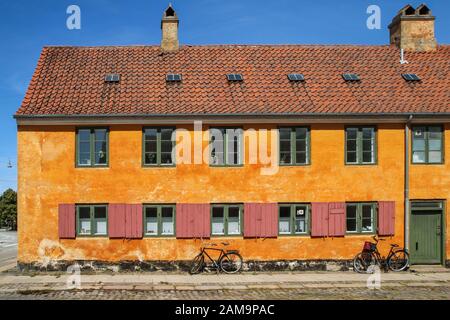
406,204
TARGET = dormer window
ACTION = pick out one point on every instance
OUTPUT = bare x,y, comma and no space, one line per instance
112,77
235,77
296,77
410,77
351,77
173,77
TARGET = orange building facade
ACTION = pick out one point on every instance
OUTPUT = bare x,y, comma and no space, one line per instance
48,176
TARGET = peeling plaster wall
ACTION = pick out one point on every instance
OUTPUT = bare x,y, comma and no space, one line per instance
48,176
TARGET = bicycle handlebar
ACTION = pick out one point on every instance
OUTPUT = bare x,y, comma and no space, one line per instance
377,239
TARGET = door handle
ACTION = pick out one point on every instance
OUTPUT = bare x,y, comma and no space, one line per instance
417,246
438,230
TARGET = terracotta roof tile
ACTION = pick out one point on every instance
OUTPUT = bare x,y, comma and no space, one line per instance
70,81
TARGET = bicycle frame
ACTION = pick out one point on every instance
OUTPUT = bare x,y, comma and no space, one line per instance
205,253
380,259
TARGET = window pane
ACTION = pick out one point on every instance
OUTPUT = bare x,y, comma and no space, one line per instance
167,220
100,135
166,134
435,133
233,220
351,218
368,157
351,145
300,219
368,133
301,133
434,145
84,159
100,212
84,147
84,135
100,226
166,146
217,146
150,146
285,133
367,211
100,158
285,146
301,158
85,226
166,158
218,220
84,212
285,220
150,158
217,158
100,152
368,145
434,156
351,157
352,133
151,219
418,145
233,145
301,145
285,158
367,220
150,134
418,157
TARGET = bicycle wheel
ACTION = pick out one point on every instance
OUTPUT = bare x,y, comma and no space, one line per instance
399,260
231,262
363,261
197,264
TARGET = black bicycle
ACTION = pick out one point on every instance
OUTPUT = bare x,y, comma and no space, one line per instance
397,259
229,261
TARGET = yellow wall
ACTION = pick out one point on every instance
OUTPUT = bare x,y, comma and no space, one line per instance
48,176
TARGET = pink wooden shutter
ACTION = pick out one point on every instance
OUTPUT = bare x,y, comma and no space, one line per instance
133,221
66,221
319,219
386,218
116,220
193,220
336,219
260,220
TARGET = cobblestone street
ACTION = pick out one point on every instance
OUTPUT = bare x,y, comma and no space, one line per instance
420,284
391,293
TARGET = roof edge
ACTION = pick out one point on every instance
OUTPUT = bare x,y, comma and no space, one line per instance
232,118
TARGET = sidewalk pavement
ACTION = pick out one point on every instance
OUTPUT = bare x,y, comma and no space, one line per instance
211,281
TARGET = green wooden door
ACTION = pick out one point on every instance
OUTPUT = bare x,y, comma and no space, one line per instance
425,241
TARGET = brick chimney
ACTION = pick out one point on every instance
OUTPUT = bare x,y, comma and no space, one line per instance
413,29
169,27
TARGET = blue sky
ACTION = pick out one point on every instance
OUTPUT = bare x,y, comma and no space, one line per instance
28,25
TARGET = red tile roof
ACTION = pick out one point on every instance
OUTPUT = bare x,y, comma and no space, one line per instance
70,81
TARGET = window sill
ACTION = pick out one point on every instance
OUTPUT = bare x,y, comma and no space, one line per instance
294,235
87,236
92,167
159,166
427,163
226,166
166,236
